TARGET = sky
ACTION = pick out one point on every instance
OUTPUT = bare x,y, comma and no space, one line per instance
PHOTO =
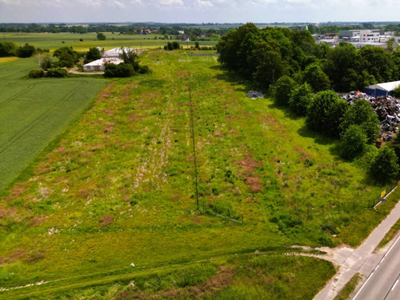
197,11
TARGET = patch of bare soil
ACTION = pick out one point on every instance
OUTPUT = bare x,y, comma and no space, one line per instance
106,220
252,180
105,92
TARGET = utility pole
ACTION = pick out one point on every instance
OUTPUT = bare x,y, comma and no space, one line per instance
194,150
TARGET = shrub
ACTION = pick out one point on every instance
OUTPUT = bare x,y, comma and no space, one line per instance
384,167
144,70
284,87
8,48
362,114
300,99
67,57
176,45
121,70
318,80
57,72
325,113
36,73
354,141
101,36
26,51
92,55
45,63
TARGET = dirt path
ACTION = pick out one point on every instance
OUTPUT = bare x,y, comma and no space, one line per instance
74,70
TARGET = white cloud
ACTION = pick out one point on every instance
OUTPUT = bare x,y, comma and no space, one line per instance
119,4
170,2
205,4
92,3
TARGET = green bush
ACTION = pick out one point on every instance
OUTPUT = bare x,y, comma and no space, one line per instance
283,89
121,70
325,113
362,114
101,36
300,99
144,70
384,167
36,73
396,92
354,141
8,48
26,51
57,72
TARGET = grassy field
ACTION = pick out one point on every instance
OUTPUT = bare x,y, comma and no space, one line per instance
7,59
118,188
53,41
34,112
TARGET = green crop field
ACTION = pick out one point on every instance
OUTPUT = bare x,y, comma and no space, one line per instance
53,41
33,112
110,209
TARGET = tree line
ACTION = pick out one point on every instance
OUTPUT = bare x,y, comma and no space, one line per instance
302,75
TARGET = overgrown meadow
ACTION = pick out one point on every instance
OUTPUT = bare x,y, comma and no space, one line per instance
117,188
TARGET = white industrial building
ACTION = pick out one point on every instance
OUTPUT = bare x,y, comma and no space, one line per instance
382,89
112,56
369,36
116,52
100,64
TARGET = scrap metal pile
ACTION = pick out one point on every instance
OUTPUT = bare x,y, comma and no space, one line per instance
386,107
255,95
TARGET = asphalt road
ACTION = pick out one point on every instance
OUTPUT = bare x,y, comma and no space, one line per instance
384,280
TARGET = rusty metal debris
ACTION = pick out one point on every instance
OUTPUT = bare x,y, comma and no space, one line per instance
386,107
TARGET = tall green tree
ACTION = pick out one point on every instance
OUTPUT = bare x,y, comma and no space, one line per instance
325,113
26,51
67,57
101,36
353,142
283,89
8,48
384,167
378,63
317,79
300,99
92,55
362,114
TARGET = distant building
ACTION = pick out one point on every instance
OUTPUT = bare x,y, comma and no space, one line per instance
371,36
331,36
116,52
181,32
382,89
185,38
348,34
99,65
359,45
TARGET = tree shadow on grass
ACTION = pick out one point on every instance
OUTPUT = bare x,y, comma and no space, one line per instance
318,138
286,111
235,79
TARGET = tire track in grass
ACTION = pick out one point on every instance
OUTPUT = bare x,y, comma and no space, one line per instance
6,101
35,122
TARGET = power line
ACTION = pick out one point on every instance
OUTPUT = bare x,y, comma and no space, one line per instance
194,149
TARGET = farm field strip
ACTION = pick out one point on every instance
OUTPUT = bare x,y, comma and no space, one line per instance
33,112
53,41
25,130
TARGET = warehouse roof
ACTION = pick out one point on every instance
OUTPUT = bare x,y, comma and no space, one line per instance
387,86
